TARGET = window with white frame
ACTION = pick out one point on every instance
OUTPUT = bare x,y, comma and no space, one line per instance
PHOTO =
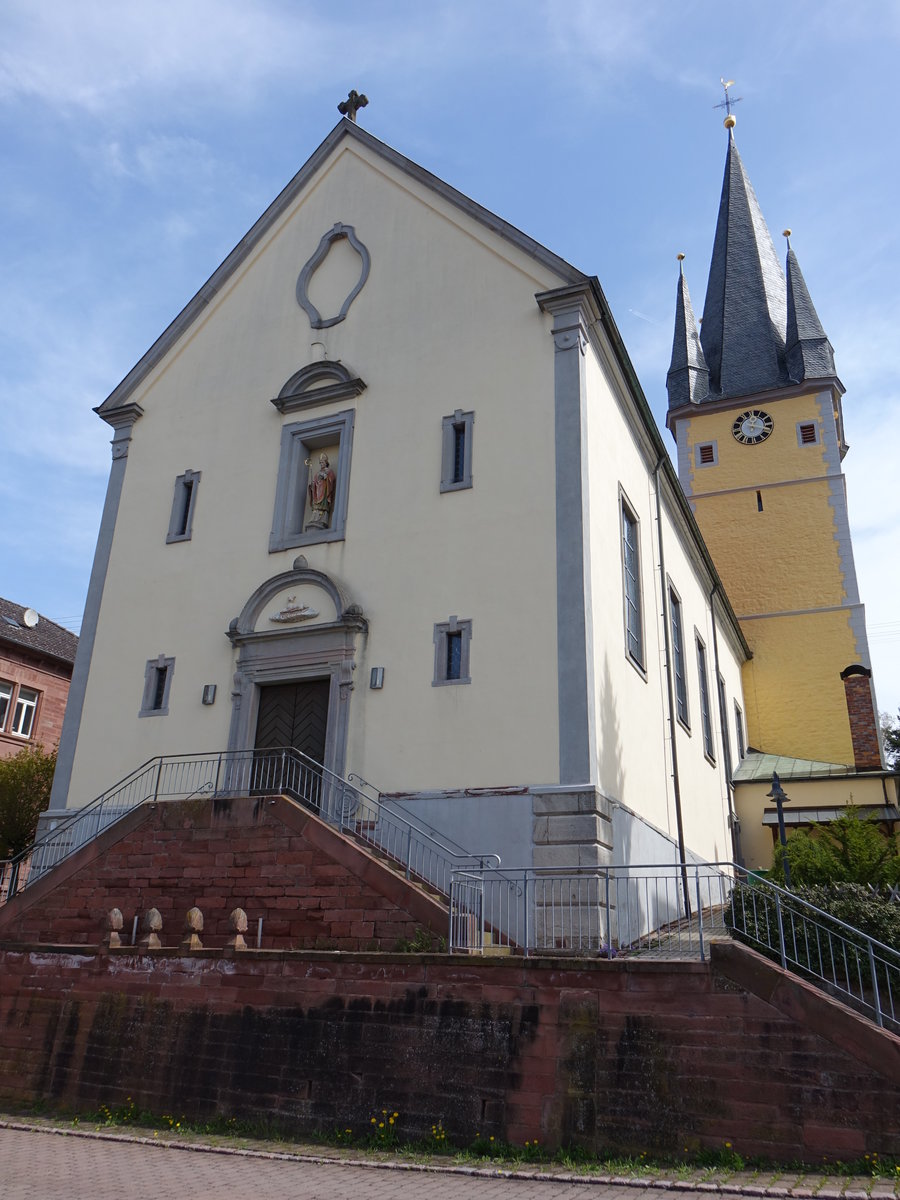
23,713
705,713
451,652
634,621
182,519
18,709
678,662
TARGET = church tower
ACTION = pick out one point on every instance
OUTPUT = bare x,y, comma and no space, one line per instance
755,408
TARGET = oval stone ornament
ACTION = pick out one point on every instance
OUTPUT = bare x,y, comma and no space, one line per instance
335,234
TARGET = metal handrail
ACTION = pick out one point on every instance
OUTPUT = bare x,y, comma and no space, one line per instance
618,909
423,853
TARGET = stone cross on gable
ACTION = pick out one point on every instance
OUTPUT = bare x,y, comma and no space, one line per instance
350,106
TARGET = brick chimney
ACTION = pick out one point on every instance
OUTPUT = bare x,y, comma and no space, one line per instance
863,718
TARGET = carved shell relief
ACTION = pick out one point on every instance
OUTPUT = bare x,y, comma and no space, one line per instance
334,235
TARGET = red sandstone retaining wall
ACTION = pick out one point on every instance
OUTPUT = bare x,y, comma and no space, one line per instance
625,1054
314,888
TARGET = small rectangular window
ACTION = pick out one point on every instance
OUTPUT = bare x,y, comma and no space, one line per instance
23,717
456,451
451,652
726,736
454,655
681,700
739,728
706,454
6,691
705,714
807,433
634,622
182,518
157,685
759,504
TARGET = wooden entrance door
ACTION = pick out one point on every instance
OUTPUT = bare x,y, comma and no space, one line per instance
292,715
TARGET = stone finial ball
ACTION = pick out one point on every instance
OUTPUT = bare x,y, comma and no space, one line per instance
238,920
193,920
114,920
730,121
153,920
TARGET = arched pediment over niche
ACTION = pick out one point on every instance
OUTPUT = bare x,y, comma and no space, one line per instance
318,383
299,599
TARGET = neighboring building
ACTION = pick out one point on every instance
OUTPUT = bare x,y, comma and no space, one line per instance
388,490
755,408
36,659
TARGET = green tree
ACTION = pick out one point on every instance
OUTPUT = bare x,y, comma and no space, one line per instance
25,781
890,736
850,849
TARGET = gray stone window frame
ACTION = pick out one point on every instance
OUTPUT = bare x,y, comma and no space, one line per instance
679,658
739,729
442,632
181,521
801,425
465,422
300,441
151,686
632,590
714,446
709,745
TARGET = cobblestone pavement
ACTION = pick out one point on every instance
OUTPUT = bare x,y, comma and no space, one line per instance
40,1164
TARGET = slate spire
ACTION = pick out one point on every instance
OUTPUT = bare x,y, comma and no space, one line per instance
808,351
745,314
688,379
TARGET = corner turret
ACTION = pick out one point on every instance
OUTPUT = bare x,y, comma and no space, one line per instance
688,379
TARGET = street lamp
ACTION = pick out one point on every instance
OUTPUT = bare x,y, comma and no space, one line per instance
778,795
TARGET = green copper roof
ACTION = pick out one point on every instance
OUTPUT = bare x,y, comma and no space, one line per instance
758,768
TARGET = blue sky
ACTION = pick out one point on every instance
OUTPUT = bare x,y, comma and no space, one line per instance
140,140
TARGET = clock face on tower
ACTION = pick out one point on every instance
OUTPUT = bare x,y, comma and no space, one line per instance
752,426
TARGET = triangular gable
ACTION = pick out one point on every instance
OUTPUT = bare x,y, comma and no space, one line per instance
344,129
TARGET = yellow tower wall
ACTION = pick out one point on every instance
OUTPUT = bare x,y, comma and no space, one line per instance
774,517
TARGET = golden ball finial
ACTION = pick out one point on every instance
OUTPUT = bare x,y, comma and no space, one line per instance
786,233
730,121
680,257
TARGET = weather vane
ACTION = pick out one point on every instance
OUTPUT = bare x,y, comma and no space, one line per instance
350,106
728,103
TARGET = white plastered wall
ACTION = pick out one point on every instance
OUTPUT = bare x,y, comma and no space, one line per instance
634,761
446,321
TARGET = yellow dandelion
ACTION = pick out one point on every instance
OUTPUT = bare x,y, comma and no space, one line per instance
396,1115
374,1121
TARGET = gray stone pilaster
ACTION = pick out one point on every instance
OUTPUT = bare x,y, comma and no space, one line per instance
573,311
122,420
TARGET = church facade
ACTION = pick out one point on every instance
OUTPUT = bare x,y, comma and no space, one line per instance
388,490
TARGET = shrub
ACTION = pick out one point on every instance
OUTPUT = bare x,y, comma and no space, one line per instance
25,781
849,849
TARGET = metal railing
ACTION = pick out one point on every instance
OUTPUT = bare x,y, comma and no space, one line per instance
607,911
847,963
589,910
351,805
